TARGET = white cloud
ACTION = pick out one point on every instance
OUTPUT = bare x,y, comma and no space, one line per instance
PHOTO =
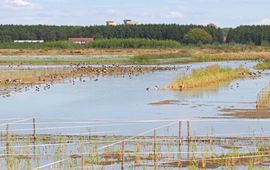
15,4
265,21
20,2
174,15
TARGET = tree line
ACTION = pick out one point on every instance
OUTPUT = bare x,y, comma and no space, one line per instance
254,34
8,33
185,34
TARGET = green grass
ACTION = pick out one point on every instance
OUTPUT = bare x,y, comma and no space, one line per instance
100,43
47,45
264,65
208,76
130,51
142,60
134,43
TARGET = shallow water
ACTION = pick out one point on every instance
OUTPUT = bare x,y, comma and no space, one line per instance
121,106
122,99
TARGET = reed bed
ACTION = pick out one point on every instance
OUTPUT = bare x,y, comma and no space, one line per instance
263,99
208,76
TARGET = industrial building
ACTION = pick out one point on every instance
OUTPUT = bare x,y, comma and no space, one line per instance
111,23
130,22
126,22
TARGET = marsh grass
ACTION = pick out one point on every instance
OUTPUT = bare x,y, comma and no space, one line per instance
126,52
65,60
263,101
85,55
265,65
210,75
85,152
97,158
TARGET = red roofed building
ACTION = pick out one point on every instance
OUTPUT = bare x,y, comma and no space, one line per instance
81,40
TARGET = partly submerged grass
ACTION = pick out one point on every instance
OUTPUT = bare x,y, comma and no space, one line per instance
263,65
263,101
210,75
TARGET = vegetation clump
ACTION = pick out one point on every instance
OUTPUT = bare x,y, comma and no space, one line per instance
99,43
210,75
263,101
134,43
198,36
264,65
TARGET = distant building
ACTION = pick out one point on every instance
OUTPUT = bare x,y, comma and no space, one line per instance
111,23
28,41
130,22
81,40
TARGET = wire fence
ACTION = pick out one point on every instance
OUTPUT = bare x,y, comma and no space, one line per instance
121,144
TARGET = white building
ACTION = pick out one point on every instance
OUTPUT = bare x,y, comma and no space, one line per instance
29,41
111,23
130,22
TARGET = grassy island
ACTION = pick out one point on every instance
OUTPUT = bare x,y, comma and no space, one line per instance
210,75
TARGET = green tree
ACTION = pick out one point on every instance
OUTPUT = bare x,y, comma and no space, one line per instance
198,36
176,32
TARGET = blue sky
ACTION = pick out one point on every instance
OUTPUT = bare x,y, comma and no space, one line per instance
224,13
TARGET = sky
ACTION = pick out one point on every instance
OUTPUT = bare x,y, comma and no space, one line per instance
223,13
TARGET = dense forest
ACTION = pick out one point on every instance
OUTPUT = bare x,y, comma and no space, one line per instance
257,35
175,32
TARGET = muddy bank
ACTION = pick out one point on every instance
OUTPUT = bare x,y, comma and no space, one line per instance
247,113
164,102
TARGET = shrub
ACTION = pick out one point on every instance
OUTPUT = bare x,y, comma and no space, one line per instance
198,36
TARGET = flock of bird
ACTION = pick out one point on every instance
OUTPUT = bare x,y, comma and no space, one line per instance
72,73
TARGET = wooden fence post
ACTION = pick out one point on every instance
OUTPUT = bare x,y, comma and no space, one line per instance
155,147
180,143
188,139
8,146
123,156
34,130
